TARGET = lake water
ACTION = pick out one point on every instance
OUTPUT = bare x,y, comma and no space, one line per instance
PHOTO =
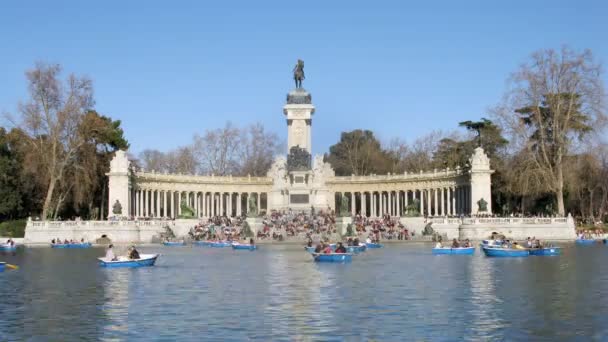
398,293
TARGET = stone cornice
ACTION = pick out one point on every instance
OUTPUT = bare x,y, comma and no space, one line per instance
152,177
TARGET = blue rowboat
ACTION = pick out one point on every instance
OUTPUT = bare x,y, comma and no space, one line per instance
356,249
546,251
220,244
374,245
504,252
448,250
247,247
144,260
585,241
71,245
212,243
174,243
5,247
2,266
333,257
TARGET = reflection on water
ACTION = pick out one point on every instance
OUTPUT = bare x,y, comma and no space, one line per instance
400,292
486,321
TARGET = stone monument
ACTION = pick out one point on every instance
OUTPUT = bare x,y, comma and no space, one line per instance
480,182
119,182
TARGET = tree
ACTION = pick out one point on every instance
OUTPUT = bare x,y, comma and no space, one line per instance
10,175
216,151
102,137
257,150
557,98
51,117
359,153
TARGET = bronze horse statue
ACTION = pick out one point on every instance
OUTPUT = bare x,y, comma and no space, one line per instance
298,73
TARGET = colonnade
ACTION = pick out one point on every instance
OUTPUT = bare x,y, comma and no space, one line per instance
168,203
441,201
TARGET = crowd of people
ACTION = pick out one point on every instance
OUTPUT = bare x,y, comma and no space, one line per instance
590,234
58,241
219,228
385,227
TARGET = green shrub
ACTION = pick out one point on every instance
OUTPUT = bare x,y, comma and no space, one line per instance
15,228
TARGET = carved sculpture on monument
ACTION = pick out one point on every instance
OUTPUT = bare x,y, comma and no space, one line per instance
117,208
482,205
298,159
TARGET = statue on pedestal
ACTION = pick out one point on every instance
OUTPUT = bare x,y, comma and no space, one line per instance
298,73
253,208
482,205
298,159
344,207
117,208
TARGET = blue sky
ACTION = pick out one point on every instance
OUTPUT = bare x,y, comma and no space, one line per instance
171,69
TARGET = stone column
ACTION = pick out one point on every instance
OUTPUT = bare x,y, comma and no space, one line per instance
436,211
421,200
429,202
363,204
406,194
238,204
398,203
146,203
164,204
353,203
222,205
441,202
179,203
137,203
157,204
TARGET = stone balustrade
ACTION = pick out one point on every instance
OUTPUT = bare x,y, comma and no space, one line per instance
92,224
427,175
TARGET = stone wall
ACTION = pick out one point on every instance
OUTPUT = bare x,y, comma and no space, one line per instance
37,232
560,228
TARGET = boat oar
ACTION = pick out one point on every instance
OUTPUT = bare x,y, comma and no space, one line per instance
14,267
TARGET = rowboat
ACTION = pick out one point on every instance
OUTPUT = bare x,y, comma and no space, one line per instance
504,252
7,247
213,243
174,243
2,266
374,245
71,245
546,251
586,241
312,249
448,250
356,249
333,257
144,260
244,246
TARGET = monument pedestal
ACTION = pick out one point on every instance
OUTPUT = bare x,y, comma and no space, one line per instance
255,223
342,223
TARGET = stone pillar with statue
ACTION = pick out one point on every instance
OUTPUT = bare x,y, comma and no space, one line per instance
119,185
480,196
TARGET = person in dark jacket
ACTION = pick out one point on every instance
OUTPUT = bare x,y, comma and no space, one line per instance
340,248
133,253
